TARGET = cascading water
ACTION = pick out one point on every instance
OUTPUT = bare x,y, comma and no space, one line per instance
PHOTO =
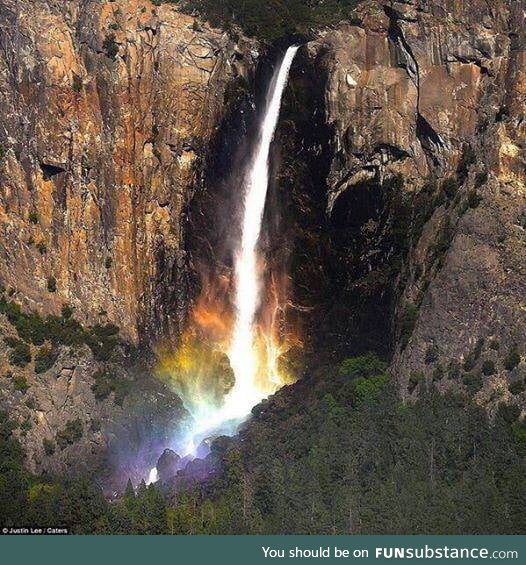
243,351
243,357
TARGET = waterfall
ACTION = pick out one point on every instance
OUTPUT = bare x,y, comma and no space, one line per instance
242,352
243,357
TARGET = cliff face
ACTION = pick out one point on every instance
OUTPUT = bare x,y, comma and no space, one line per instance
105,109
401,194
434,92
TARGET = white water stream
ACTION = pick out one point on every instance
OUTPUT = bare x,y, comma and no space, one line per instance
243,356
246,393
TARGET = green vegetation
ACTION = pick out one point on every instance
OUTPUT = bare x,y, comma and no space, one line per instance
450,187
517,387
407,324
45,359
107,382
494,344
474,199
473,383
110,46
76,84
49,446
444,238
471,359
488,368
432,354
316,461
337,453
31,404
363,366
275,19
71,433
481,179
20,383
67,312
20,354
33,218
513,358
58,330
102,340
52,284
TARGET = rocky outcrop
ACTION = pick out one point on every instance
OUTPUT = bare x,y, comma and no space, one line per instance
76,411
168,464
106,109
434,92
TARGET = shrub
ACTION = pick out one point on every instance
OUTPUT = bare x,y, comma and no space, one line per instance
363,366
368,389
67,312
110,46
31,328
45,359
450,187
513,358
453,371
444,238
474,199
25,426
517,387
31,404
414,380
438,373
480,179
495,344
103,386
42,248
270,21
488,368
432,354
95,425
509,412
20,383
108,262
471,359
49,446
64,330
76,84
52,284
407,324
20,354
472,382
33,218
102,340
519,432
71,433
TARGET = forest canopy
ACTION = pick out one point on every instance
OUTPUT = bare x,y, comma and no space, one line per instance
272,19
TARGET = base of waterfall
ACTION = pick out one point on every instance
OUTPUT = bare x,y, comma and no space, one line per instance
189,455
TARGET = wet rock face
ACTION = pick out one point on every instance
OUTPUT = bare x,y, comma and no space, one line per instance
106,108
168,464
433,92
